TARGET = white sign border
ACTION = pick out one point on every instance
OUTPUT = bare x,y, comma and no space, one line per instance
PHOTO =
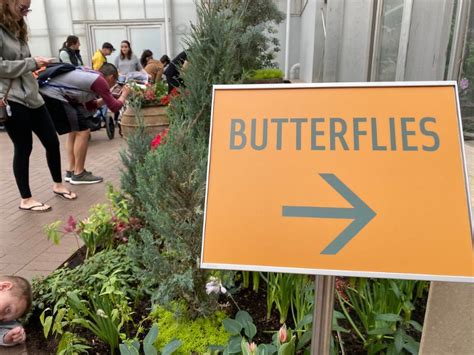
332,272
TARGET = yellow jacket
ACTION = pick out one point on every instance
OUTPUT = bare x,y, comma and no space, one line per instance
98,59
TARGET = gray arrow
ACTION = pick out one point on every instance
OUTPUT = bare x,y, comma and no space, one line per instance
360,213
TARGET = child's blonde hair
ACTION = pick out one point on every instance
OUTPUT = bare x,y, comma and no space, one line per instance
21,289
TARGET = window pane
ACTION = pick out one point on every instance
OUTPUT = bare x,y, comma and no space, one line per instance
466,86
389,40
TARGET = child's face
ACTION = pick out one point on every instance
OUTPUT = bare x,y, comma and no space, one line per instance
11,306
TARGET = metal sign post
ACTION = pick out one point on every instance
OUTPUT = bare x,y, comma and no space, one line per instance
322,318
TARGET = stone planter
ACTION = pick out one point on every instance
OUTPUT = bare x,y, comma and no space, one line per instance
155,119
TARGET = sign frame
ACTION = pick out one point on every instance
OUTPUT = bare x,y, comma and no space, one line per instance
335,272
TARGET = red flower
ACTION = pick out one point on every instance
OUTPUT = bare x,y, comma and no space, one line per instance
157,140
165,100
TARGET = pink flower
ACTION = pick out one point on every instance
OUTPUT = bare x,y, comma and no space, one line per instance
252,348
150,95
283,334
464,84
120,227
70,225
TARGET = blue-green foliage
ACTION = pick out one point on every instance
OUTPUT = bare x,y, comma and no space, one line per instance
170,184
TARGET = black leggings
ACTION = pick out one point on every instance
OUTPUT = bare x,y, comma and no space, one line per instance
19,127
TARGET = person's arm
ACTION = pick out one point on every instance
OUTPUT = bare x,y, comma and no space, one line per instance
3,332
101,88
64,57
11,333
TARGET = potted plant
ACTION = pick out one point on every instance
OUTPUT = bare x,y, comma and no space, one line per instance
148,103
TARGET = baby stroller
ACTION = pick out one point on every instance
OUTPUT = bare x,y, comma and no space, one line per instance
102,119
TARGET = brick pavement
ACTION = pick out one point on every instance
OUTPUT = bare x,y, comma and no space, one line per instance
24,249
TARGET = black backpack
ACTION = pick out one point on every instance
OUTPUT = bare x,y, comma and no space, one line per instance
53,70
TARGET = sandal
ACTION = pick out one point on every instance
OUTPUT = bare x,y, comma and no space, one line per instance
36,208
67,195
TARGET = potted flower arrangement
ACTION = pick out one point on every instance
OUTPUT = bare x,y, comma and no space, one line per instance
147,102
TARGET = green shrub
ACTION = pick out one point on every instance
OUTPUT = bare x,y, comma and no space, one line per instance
50,290
169,185
196,335
267,73
138,145
257,42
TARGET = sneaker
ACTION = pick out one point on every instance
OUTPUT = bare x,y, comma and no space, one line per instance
85,178
68,176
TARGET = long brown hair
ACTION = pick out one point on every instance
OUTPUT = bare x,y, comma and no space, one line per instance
130,52
7,19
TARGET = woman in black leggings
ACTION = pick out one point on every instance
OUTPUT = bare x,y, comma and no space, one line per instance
27,112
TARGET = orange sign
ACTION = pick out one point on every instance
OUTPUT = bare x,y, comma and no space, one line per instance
339,179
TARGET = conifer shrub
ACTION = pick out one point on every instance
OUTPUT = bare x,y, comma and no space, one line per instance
169,183
132,157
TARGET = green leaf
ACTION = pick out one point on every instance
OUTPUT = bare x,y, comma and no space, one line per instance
233,346
412,346
338,328
47,325
125,349
243,316
266,349
391,350
249,329
380,331
171,347
149,340
336,314
244,347
307,319
216,348
304,339
399,340
232,326
288,348
416,325
388,317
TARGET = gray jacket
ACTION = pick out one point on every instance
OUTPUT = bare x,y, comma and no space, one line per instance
16,65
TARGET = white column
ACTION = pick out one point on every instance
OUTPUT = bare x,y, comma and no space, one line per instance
287,43
167,30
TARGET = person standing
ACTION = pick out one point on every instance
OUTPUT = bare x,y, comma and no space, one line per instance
154,68
26,109
100,56
127,62
70,52
173,71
